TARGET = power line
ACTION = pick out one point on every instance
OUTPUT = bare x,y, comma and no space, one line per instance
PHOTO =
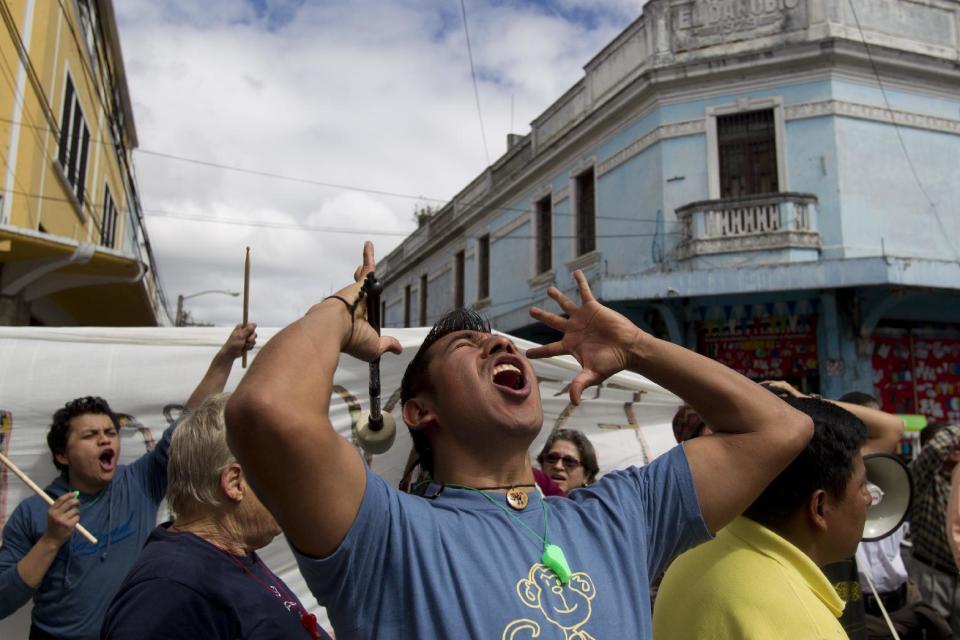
374,191
401,234
162,213
20,98
896,128
129,185
46,107
473,74
332,185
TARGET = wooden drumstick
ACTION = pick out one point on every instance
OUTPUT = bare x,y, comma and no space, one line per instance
43,494
246,299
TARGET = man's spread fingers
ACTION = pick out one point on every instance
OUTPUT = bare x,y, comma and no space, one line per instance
586,295
552,320
546,351
568,305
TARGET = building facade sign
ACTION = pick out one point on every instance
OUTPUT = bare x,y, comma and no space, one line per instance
703,23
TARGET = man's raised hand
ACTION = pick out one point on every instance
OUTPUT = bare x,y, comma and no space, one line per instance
242,338
362,341
599,338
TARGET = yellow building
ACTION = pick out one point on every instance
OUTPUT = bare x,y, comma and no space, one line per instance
73,246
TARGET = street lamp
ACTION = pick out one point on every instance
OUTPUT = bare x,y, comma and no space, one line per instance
181,298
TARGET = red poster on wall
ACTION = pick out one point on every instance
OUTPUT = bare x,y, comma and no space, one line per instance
918,375
766,346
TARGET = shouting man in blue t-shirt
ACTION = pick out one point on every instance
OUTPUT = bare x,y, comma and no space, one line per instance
71,580
481,554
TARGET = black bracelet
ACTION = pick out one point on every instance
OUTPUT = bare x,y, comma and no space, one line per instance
350,307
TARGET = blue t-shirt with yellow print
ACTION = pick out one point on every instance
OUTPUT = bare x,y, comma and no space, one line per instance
456,566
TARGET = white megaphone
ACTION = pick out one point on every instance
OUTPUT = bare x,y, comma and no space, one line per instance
891,490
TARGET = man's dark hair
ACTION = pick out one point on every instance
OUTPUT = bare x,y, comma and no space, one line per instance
60,428
416,378
859,397
825,463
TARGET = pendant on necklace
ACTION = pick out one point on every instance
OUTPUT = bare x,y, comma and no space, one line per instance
554,560
517,498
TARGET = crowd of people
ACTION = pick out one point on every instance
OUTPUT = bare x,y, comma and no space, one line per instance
751,527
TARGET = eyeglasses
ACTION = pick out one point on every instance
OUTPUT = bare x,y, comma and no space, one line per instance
569,462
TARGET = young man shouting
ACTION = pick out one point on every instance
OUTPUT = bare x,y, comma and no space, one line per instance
481,554
70,580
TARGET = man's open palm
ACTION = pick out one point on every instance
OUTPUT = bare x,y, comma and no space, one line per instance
598,337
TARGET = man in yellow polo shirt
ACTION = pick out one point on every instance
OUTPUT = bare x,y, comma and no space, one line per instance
760,578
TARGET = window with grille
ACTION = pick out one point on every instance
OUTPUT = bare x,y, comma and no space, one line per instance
108,220
74,142
544,235
483,267
586,213
747,149
406,306
459,280
423,300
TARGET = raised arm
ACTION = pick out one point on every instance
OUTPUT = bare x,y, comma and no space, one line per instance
756,435
150,469
884,430
243,338
278,422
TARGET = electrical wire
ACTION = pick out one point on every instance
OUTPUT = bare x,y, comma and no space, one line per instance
43,147
10,78
132,200
896,127
45,105
320,183
163,213
473,74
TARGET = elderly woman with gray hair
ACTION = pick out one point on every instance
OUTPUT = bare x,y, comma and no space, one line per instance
199,576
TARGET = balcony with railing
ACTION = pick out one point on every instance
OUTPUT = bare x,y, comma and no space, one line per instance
784,225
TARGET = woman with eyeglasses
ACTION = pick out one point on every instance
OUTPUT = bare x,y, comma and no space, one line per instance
569,459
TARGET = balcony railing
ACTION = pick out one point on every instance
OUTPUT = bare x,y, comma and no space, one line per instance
751,223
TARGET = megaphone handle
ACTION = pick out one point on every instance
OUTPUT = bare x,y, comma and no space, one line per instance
883,609
373,288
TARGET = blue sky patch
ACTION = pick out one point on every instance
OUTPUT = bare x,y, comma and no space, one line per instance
276,14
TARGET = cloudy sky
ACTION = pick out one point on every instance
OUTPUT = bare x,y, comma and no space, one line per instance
374,94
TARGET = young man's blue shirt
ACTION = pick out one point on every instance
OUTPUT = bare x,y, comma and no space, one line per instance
73,596
455,565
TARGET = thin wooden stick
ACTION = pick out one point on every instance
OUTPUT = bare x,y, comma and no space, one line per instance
43,494
246,298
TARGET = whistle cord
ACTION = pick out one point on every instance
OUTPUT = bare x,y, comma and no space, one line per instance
553,557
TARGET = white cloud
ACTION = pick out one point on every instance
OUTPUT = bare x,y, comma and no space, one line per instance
370,93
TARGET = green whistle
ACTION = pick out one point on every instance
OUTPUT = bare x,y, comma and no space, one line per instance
554,560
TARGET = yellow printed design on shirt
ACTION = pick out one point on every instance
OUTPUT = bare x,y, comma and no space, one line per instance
567,607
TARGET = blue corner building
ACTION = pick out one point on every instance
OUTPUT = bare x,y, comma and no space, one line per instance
774,183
